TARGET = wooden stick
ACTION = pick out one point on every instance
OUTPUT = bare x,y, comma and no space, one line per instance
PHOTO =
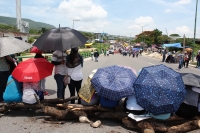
57,100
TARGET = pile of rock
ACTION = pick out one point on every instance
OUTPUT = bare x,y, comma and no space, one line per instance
155,55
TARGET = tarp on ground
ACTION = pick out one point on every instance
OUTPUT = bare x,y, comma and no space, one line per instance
176,45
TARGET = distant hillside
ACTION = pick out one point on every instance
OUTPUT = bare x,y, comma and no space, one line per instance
32,24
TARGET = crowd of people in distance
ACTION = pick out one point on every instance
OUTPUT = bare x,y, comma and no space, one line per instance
131,52
183,58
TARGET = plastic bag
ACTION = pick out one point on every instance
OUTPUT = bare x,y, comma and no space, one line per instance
66,80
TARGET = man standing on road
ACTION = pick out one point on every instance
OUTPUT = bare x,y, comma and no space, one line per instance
96,55
92,54
164,55
181,58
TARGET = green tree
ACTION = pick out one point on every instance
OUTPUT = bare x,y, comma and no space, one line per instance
156,38
174,35
33,31
43,29
8,27
31,40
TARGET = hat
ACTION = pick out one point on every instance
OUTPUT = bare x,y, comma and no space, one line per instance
131,104
161,117
28,96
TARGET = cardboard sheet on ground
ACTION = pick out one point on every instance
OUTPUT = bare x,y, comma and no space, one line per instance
139,117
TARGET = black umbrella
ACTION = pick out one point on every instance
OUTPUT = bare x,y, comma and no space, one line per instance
61,39
191,79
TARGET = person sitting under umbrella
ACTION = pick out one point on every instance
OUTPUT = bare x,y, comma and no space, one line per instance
74,63
4,74
38,54
29,89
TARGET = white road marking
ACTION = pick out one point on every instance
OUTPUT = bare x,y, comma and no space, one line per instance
151,63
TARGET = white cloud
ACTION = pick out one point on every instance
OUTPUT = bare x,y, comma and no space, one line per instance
182,2
182,29
168,10
77,9
143,20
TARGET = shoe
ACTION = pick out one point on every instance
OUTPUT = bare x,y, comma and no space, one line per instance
45,93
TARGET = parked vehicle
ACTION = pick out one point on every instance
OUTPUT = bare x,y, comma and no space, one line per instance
111,51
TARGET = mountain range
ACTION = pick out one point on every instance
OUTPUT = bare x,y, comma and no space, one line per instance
32,24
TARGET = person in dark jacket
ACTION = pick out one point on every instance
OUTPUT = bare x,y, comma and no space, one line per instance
74,64
198,59
96,55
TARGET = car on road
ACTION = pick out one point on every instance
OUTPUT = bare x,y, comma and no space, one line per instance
111,51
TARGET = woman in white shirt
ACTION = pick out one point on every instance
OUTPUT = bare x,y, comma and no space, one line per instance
74,63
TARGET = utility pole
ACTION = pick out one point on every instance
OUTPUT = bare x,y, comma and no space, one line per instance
167,35
18,14
74,21
142,31
195,21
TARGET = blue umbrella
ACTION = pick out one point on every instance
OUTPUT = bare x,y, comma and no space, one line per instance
159,89
135,49
114,82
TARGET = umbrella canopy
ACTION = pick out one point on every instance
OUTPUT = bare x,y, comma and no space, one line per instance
188,49
34,49
135,49
114,82
11,45
159,89
191,79
61,39
32,70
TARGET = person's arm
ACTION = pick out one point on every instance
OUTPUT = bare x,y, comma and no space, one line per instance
56,63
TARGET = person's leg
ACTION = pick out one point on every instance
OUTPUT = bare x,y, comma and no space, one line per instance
60,85
187,62
183,63
78,86
164,58
4,78
42,84
180,64
72,89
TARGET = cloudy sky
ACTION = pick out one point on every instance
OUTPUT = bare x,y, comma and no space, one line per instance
117,17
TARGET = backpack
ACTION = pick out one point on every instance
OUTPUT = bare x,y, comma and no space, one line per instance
13,91
108,103
187,111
